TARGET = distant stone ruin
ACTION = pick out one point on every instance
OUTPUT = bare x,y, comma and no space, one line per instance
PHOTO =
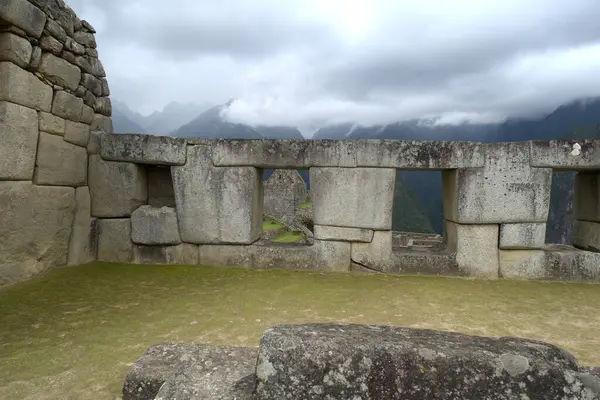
283,192
72,192
334,361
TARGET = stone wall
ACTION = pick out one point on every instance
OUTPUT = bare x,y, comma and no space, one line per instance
496,201
283,192
53,93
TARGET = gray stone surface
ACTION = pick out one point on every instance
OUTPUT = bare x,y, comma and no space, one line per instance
422,263
566,154
54,28
331,256
85,38
376,254
192,371
586,235
144,149
18,141
217,204
90,65
506,190
83,241
74,47
51,123
343,234
160,186
522,236
59,163
34,62
87,115
283,191
35,225
50,45
522,264
353,197
15,49
102,123
155,226
117,189
59,71
476,248
93,146
565,263
114,240
67,106
24,88
92,83
102,105
77,133
586,205
24,15
182,254
334,361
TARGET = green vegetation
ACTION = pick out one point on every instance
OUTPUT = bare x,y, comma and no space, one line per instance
305,204
270,225
73,333
288,237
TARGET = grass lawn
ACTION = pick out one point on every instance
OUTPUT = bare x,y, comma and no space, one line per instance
73,333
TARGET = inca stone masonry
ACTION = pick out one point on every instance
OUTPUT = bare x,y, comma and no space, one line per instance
71,192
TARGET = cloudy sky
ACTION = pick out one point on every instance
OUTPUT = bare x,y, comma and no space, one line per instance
310,62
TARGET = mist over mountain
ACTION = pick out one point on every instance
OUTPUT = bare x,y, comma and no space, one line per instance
164,122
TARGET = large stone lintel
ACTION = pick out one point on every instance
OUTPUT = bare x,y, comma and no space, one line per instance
566,154
343,234
144,149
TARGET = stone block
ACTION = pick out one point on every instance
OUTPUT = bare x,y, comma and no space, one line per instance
102,105
15,49
217,204
522,236
343,234
240,256
183,254
476,248
59,71
283,192
375,255
144,149
117,189
93,146
566,154
84,233
18,141
34,62
332,256
334,361
92,83
90,65
160,186
23,15
59,163
105,87
102,123
522,264
35,225
67,106
420,263
77,133
24,88
353,197
155,226
506,190
114,240
87,115
85,38
74,47
572,265
192,371
586,235
586,205
51,123
50,45
54,28
419,155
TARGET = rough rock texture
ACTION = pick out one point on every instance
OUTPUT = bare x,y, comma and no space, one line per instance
67,106
114,240
522,236
83,243
476,248
522,264
59,163
227,201
77,133
506,190
18,141
565,154
353,197
183,254
144,149
330,361
116,188
23,15
155,226
283,191
170,371
21,87
376,254
51,124
343,234
35,225
59,71
15,49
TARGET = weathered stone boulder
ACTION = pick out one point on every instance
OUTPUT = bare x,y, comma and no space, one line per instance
186,371
155,226
330,361
144,149
15,49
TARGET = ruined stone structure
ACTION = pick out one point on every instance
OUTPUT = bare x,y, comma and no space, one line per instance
53,92
283,191
72,192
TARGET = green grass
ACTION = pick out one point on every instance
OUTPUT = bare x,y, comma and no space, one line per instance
270,225
74,333
306,204
288,237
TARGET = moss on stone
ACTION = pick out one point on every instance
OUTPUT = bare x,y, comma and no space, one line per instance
305,204
270,225
288,237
